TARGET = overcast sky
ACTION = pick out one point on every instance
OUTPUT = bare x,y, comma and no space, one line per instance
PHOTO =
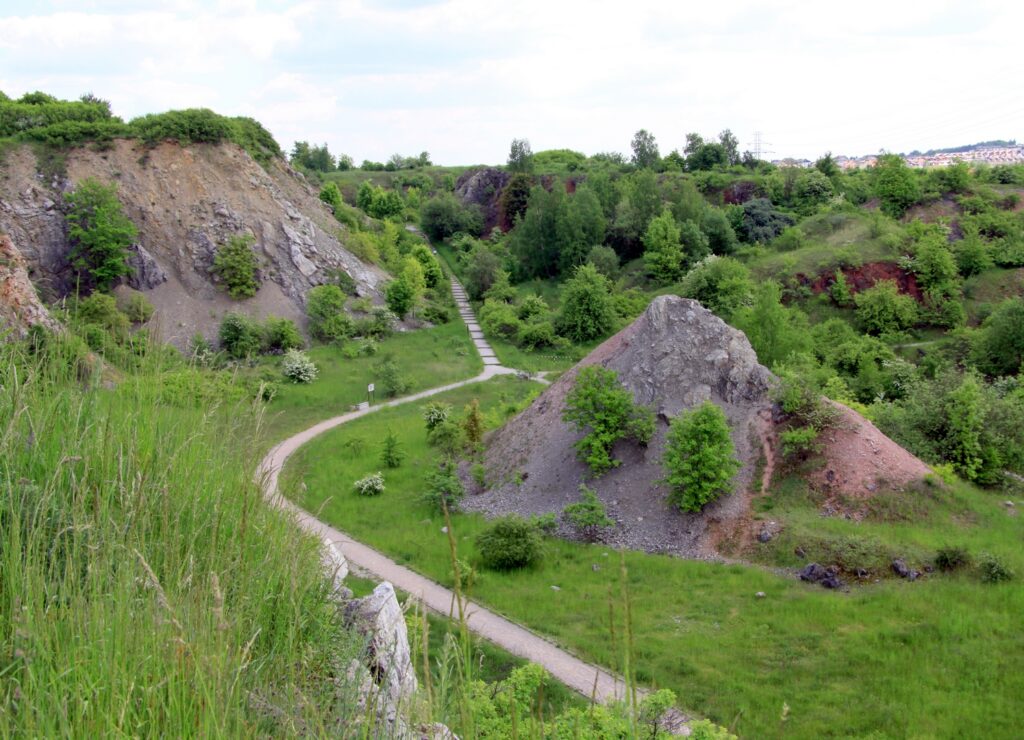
462,78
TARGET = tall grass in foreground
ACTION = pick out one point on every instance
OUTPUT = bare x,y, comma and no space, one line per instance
145,589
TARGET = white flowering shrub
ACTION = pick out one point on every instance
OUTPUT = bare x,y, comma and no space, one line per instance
370,485
436,413
297,367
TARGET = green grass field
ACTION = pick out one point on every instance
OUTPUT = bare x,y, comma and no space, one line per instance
428,357
938,657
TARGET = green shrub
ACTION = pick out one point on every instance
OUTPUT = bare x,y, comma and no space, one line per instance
325,307
101,310
100,233
391,453
235,264
539,335
588,515
444,490
392,382
840,290
400,296
881,309
699,457
136,307
447,437
949,559
500,319
240,336
436,413
600,406
281,335
993,570
510,542
370,485
297,367
802,440
587,310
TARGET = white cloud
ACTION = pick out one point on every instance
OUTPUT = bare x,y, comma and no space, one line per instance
460,78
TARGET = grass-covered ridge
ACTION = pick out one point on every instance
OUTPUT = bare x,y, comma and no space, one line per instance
42,118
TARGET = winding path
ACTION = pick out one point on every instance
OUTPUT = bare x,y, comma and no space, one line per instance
587,679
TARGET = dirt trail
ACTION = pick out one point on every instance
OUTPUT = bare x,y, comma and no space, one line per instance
587,679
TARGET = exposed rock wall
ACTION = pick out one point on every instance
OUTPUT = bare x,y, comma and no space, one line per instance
675,356
20,307
186,201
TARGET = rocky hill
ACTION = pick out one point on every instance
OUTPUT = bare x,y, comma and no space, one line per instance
185,201
673,357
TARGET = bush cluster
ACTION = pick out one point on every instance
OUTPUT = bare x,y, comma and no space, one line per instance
370,485
297,366
241,336
235,264
509,542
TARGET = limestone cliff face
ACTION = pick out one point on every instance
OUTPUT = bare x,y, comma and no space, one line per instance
20,307
186,201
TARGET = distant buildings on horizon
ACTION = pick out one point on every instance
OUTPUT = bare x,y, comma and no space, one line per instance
1013,154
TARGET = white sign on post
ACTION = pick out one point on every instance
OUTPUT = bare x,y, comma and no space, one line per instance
369,388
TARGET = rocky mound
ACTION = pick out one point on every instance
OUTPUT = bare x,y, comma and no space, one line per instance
186,201
861,461
20,307
675,356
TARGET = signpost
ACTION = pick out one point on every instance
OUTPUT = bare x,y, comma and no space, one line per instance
369,392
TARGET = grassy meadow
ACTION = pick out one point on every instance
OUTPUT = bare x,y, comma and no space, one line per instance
887,659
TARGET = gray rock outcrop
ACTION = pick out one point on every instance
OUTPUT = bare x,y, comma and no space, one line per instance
676,355
483,188
186,202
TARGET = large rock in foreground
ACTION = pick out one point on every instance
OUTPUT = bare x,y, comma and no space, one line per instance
675,356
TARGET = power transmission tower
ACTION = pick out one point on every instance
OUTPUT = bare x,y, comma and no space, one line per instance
758,147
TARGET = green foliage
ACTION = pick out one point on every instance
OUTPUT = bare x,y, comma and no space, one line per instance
136,307
719,231
605,260
663,255
444,490
443,216
775,331
297,366
802,440
325,307
400,297
721,284
895,185
392,382
473,424
330,195
762,222
881,309
966,427
840,290
949,559
101,310
699,457
281,335
240,336
599,406
100,233
435,413
994,570
1000,344
432,272
235,264
483,268
200,125
510,542
972,255
447,438
317,158
520,157
501,289
500,319
587,310
588,515
391,452
645,150
378,202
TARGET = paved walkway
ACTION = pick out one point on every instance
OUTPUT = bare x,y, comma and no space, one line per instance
587,679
